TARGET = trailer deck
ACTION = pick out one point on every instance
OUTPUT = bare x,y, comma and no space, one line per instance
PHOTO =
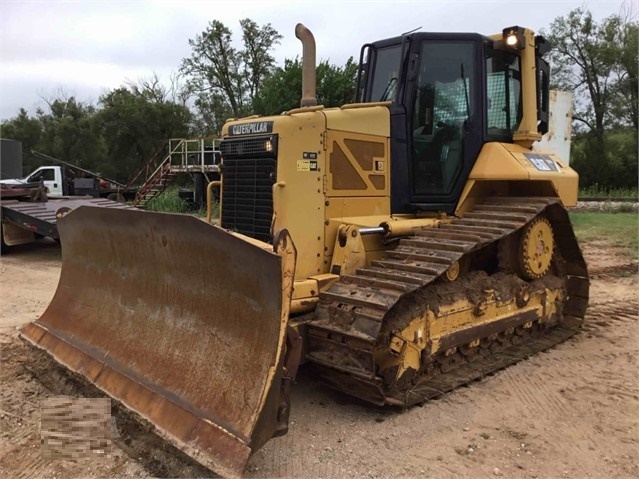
41,217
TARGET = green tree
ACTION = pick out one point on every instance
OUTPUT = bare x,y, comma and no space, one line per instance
583,60
256,57
597,61
282,90
627,86
27,130
135,125
225,80
620,160
70,133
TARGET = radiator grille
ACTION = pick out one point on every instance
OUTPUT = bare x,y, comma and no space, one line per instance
247,196
249,147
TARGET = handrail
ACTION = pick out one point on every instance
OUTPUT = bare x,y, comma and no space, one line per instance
153,179
165,156
198,149
145,166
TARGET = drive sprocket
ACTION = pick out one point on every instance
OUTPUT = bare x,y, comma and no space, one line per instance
536,248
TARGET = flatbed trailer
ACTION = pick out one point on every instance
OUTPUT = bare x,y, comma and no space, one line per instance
26,214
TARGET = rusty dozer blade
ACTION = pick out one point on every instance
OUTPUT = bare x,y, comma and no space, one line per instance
181,321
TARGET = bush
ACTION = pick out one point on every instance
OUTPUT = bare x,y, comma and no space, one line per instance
168,202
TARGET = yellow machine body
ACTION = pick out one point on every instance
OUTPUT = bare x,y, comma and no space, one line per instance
348,184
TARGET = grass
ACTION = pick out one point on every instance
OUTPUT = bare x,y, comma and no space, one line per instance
168,202
216,210
618,229
596,191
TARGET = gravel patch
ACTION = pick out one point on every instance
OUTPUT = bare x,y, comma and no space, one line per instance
607,206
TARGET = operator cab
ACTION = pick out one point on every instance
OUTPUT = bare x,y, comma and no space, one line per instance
450,94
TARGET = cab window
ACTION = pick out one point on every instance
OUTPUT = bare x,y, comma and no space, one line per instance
386,74
503,92
46,174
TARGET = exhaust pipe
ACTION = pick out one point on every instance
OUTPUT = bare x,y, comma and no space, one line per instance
308,65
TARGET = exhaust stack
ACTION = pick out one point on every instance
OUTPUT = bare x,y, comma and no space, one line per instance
308,65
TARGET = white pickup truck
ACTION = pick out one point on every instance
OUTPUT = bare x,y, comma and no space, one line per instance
51,176
69,180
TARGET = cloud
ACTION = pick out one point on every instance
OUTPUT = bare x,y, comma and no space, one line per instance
93,45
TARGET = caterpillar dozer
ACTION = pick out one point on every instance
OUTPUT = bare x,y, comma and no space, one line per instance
401,245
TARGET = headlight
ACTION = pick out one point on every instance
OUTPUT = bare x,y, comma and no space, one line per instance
511,40
514,37
268,146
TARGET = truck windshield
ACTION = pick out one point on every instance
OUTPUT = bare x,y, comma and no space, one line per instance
386,73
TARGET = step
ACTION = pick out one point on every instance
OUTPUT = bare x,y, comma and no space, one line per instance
482,231
498,216
377,283
415,255
443,234
431,269
415,279
360,296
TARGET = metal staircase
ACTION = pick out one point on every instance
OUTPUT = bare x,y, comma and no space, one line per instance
155,184
176,156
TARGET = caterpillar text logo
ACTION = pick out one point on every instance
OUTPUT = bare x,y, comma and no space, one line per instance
252,128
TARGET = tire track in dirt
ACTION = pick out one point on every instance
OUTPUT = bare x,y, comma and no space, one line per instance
544,406
31,467
615,271
533,392
538,390
20,434
602,316
608,384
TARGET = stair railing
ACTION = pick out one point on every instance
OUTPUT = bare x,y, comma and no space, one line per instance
154,179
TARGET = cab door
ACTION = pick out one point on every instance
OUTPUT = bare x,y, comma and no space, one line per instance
50,176
443,102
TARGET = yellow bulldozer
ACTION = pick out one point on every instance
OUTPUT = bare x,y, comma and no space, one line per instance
401,245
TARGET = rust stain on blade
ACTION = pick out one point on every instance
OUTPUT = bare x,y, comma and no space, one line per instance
179,320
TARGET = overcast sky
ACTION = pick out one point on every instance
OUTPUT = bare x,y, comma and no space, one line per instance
86,48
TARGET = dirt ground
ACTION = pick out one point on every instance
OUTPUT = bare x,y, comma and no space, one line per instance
572,411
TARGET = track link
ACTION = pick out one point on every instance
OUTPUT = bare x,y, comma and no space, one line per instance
351,315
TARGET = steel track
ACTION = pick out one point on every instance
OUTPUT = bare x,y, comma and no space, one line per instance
352,313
